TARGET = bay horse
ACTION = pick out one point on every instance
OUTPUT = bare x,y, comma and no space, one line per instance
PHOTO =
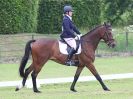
45,49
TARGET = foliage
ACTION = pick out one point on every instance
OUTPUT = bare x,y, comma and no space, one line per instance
114,10
24,16
49,17
18,16
86,14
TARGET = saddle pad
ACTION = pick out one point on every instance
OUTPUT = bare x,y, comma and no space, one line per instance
63,48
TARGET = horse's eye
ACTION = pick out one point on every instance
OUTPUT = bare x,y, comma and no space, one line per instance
109,28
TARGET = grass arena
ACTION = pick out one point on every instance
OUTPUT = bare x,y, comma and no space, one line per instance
120,88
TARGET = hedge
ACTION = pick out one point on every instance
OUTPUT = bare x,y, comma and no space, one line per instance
50,14
18,16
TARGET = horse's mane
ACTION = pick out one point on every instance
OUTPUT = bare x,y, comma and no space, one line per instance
92,30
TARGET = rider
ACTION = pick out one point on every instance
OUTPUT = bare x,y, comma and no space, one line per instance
68,33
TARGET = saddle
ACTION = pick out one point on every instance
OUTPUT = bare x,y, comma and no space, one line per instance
65,48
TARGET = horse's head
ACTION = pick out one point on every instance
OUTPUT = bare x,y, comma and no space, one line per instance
107,35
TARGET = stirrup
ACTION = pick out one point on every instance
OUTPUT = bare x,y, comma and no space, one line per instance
72,63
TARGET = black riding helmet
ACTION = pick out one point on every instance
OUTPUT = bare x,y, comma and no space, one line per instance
68,8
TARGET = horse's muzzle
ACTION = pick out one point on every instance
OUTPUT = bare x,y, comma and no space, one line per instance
112,44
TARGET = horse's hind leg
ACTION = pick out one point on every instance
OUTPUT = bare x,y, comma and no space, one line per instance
95,73
27,72
77,74
34,74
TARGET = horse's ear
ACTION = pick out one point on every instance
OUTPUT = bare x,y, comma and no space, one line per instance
105,23
109,22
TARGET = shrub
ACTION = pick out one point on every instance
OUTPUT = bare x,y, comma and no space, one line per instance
18,16
86,14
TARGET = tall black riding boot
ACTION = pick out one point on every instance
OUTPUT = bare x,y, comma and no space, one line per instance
69,62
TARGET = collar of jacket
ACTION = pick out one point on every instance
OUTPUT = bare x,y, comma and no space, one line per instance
69,17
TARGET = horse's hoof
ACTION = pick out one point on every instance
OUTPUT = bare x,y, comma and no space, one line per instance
37,91
17,89
73,90
106,89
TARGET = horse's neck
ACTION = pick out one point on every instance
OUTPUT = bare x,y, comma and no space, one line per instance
93,39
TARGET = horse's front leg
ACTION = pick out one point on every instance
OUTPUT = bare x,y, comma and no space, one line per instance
77,74
95,73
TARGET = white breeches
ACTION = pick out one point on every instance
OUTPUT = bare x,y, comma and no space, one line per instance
71,42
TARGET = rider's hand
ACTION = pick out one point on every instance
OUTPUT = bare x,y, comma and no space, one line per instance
76,38
80,35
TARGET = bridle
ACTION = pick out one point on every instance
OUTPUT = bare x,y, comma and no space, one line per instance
108,40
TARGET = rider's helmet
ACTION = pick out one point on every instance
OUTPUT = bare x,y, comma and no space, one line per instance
67,8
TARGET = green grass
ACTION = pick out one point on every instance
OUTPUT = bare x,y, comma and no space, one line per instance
120,89
112,65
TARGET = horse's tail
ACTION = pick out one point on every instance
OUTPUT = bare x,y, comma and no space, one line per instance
25,58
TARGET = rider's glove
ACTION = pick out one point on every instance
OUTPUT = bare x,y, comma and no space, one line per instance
78,37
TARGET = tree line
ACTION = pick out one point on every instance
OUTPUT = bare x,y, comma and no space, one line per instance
45,16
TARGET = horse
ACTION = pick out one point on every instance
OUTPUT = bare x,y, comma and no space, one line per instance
45,49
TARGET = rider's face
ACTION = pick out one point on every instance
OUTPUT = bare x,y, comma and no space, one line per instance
70,13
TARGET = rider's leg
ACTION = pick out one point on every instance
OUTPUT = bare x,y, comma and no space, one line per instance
69,62
72,51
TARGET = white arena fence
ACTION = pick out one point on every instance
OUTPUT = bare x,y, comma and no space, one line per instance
65,80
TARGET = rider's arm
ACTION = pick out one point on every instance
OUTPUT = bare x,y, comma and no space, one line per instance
76,30
67,27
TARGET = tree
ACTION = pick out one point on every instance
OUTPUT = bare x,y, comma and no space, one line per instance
114,9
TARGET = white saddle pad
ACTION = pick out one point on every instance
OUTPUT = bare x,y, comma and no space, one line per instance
63,48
